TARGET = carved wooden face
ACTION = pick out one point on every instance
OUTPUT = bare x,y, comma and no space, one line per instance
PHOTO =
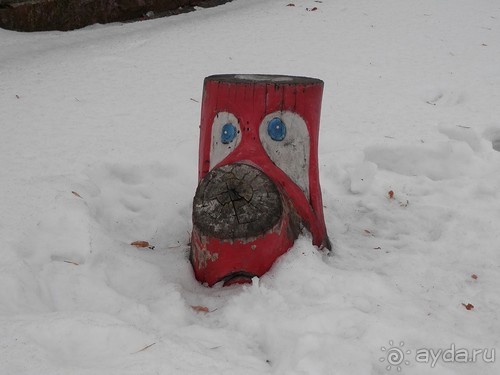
258,174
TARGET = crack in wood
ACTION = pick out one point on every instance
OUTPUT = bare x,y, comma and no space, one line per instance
236,201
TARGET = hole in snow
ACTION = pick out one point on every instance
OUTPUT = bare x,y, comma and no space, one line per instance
496,144
493,135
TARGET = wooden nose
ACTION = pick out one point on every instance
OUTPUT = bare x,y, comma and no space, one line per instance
236,201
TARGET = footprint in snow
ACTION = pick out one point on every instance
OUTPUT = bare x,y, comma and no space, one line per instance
439,96
134,202
462,133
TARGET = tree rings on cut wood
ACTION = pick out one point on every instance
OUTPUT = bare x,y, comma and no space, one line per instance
236,201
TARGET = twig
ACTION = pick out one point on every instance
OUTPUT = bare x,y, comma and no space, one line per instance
145,348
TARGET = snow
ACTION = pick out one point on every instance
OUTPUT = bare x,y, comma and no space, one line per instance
111,113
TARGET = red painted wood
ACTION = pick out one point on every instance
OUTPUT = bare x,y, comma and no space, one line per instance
214,259
250,99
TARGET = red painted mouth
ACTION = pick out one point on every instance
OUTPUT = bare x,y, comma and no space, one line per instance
238,278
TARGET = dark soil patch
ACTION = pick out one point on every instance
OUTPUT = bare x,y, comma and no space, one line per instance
44,15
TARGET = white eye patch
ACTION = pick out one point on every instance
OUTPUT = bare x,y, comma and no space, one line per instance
285,138
226,136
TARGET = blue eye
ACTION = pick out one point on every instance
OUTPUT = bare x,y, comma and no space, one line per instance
276,129
228,133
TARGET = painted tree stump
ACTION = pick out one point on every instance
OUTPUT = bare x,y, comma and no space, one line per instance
258,174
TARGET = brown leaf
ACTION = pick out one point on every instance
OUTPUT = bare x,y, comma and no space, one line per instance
200,309
469,306
140,243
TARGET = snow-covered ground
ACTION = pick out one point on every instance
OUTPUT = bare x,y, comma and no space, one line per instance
99,147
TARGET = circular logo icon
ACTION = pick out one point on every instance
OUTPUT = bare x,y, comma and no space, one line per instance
395,356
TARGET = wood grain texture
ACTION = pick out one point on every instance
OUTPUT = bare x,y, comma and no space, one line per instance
236,201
